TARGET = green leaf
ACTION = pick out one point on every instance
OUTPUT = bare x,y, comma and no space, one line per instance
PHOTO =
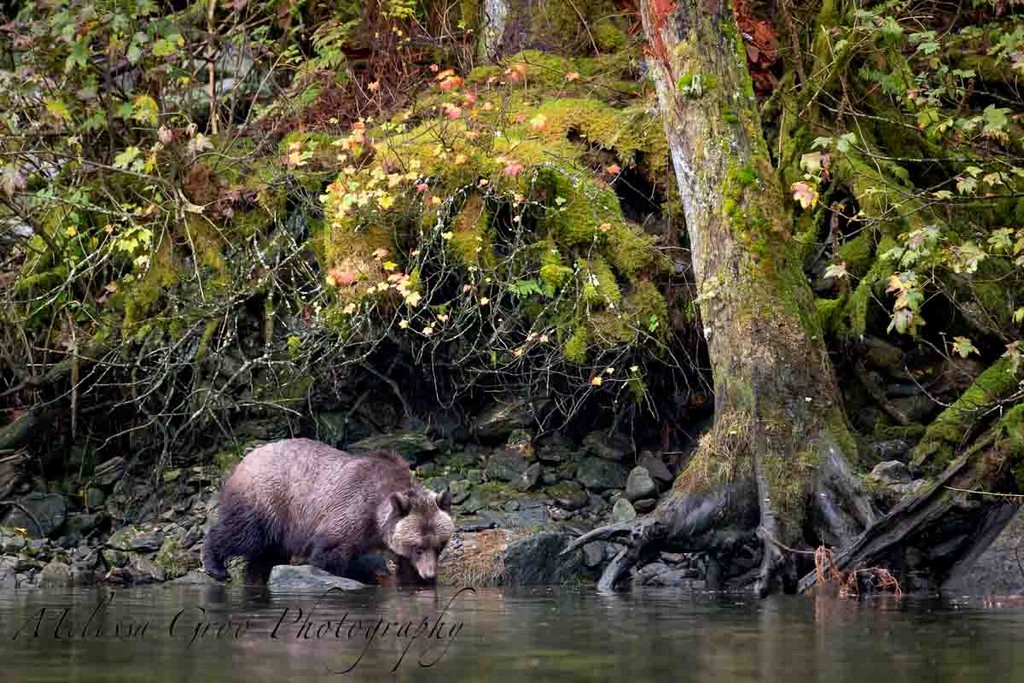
963,347
125,158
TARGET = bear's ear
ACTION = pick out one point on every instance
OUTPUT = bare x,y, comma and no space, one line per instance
400,504
444,501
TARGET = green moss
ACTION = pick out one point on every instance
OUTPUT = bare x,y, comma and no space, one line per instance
599,285
575,347
649,308
857,253
939,445
828,313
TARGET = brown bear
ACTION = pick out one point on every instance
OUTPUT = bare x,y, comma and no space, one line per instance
299,497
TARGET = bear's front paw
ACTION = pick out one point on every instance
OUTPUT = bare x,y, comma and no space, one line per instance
219,574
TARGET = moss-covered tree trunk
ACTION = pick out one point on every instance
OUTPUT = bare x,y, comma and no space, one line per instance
775,465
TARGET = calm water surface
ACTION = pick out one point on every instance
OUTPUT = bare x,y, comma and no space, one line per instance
168,633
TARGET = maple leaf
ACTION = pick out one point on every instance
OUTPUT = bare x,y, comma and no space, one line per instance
805,194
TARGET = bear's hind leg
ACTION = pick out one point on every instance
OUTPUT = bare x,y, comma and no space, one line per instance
257,567
241,531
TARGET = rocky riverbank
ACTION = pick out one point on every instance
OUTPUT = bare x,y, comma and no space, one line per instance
518,500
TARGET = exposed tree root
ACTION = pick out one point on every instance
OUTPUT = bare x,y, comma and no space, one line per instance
931,535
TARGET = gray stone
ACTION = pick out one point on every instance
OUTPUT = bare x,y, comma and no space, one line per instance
656,468
506,466
891,471
645,505
599,475
134,539
640,484
608,447
891,449
528,479
500,420
593,554
437,484
537,560
49,510
660,574
919,408
109,472
56,574
460,491
8,575
304,578
568,495
82,524
553,448
413,446
333,427
622,511
94,498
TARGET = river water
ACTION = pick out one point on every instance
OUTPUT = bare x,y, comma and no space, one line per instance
195,633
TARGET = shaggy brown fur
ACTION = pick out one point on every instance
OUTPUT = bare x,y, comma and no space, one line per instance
299,497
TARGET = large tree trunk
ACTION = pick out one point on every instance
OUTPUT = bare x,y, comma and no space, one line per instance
775,463
772,476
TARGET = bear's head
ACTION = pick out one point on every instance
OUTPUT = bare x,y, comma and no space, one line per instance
420,526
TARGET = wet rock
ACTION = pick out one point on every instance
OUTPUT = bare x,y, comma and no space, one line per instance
413,446
599,475
437,484
49,510
56,574
553,448
174,559
640,484
902,390
568,495
134,539
645,505
658,470
594,554
12,544
528,479
94,498
622,511
8,575
892,449
882,355
334,427
145,571
83,524
660,574
891,471
82,575
109,472
460,491
530,514
537,560
521,441
500,420
607,447
919,408
286,578
114,558
505,466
